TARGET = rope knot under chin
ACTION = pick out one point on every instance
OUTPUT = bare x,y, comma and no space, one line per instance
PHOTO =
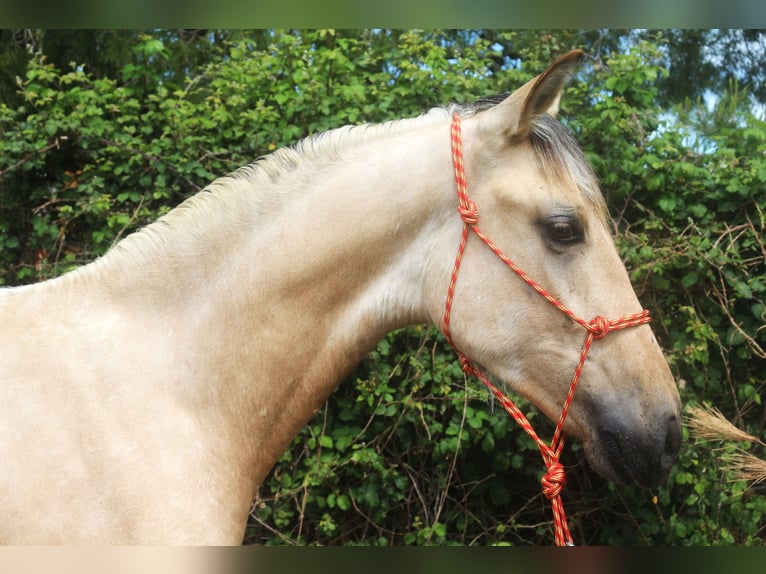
554,480
465,364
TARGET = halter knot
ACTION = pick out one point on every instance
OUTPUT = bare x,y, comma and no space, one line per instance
599,327
465,364
554,480
469,213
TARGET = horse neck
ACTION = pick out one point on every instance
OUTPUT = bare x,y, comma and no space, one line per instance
268,310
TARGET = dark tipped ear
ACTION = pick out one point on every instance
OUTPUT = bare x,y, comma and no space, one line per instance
541,95
545,94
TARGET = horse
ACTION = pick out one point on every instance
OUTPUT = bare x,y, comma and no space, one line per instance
147,394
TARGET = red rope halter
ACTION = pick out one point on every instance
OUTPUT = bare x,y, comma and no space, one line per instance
555,478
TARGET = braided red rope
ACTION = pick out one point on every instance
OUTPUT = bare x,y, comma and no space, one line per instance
555,478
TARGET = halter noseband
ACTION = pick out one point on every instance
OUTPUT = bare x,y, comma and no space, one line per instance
555,478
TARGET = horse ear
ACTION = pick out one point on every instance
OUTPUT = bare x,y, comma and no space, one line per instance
545,92
539,96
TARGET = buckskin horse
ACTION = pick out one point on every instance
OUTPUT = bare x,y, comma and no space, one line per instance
146,395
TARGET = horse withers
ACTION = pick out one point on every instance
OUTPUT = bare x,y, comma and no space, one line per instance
145,396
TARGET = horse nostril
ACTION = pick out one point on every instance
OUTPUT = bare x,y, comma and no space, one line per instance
672,443
636,456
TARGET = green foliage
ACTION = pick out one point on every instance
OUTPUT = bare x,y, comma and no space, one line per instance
407,451
691,232
85,159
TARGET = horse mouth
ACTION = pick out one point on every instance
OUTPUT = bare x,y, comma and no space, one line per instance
625,467
627,457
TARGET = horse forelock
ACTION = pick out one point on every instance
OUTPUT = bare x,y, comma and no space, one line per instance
562,159
558,152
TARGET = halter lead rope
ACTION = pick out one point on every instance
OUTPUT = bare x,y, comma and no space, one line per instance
555,478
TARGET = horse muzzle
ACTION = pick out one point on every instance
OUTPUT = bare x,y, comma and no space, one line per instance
627,452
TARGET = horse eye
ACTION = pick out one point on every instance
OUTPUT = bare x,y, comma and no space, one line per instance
564,229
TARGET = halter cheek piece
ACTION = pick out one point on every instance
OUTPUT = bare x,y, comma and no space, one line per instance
555,478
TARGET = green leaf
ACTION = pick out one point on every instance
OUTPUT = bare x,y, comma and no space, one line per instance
743,290
440,529
689,279
667,204
343,502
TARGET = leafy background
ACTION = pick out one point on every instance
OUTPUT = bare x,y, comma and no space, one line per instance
103,131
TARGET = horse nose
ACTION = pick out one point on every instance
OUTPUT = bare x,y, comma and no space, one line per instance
639,453
672,444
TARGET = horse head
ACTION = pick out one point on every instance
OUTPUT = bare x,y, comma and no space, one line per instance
534,201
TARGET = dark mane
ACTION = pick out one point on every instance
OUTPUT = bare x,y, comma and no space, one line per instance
558,152
561,157
486,102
